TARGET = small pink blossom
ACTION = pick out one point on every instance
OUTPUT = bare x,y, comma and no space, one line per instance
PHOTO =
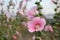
21,12
33,37
49,28
14,37
37,24
32,12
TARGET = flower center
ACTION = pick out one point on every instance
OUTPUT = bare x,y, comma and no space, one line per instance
37,26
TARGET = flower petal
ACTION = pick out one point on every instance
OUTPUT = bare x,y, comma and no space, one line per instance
31,30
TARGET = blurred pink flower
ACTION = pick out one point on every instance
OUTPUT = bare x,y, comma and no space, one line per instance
31,12
37,24
14,37
21,12
33,37
49,28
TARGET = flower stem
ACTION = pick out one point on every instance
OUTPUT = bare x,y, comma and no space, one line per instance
38,35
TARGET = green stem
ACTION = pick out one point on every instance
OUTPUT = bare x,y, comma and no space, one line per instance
38,35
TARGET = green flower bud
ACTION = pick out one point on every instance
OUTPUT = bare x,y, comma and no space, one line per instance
37,3
55,2
55,9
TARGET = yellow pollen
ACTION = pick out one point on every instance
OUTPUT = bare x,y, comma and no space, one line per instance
37,26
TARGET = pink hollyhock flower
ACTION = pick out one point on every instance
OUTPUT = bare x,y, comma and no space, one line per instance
21,12
31,12
37,24
49,28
